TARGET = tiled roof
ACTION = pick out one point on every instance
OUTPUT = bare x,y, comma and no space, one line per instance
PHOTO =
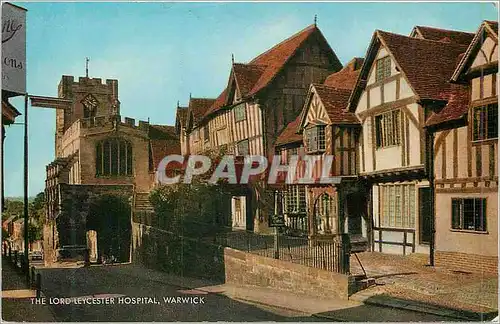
246,76
335,101
345,78
456,108
260,71
160,148
198,107
438,34
427,64
162,132
289,134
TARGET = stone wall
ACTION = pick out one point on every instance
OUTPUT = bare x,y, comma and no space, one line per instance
250,269
467,262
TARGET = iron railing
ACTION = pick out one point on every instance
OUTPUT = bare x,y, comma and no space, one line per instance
327,254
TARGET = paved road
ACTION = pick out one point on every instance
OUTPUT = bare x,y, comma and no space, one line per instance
102,281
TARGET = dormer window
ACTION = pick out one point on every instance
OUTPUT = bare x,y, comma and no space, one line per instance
383,67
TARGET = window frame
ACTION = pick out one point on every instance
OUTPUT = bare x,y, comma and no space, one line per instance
295,200
383,68
388,129
247,147
240,112
206,133
485,136
397,206
460,203
116,162
319,139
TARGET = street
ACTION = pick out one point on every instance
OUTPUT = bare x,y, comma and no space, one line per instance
103,281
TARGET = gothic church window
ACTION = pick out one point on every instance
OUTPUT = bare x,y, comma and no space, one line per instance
90,105
113,157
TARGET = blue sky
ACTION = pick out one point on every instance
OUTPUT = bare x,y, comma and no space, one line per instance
161,52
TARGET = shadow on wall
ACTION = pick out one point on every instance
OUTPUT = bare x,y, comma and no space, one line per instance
165,251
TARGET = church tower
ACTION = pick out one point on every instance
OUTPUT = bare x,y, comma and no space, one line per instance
90,99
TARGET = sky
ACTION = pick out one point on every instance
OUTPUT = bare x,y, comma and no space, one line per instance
161,52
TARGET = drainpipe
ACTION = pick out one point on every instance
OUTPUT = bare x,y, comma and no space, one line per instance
430,173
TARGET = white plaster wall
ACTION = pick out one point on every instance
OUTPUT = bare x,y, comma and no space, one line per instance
390,91
388,157
405,90
414,134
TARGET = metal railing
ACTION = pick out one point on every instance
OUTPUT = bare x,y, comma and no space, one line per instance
326,254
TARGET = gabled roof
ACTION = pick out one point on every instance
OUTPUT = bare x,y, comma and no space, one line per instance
345,78
439,34
289,135
160,148
487,27
426,64
197,109
335,100
246,76
261,71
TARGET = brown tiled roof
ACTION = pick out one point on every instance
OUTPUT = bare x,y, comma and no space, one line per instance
289,134
260,71
345,78
439,34
198,107
181,115
162,132
160,148
427,64
335,101
246,76
456,108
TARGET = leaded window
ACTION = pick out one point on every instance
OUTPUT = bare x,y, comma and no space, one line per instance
243,148
113,157
315,138
383,67
387,128
240,112
295,200
485,124
397,206
468,214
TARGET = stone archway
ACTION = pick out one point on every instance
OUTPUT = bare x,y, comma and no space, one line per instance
109,217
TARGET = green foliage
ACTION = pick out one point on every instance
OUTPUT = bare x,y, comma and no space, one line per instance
197,209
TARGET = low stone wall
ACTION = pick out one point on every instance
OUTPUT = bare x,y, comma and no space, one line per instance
250,269
467,262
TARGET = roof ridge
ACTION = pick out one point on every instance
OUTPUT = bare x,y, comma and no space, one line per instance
443,29
312,26
422,39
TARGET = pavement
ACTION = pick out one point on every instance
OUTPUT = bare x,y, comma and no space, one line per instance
408,282
17,305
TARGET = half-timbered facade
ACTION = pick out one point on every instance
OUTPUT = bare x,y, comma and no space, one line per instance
261,98
465,151
401,79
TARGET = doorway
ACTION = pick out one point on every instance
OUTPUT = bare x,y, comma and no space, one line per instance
425,210
239,212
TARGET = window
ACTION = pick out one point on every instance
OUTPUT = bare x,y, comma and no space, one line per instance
243,148
387,128
485,122
206,133
383,67
240,112
397,207
291,152
325,214
295,200
468,214
113,157
315,138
